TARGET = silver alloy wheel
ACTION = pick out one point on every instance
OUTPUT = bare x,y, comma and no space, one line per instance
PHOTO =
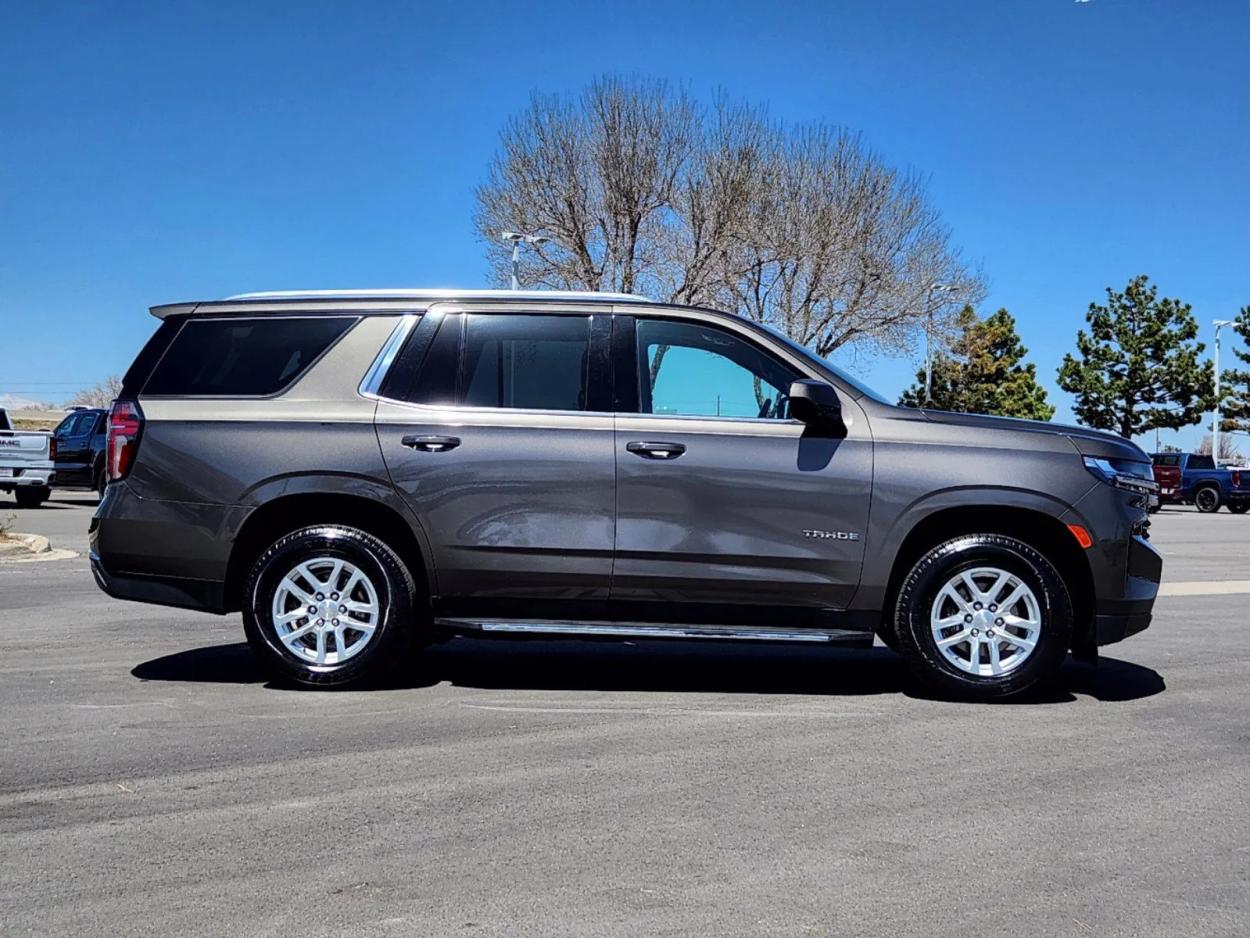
325,610
986,621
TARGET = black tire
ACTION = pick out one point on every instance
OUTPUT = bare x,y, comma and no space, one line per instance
101,481
398,624
1207,499
1239,508
29,497
936,568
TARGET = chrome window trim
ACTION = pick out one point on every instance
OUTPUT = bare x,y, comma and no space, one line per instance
371,384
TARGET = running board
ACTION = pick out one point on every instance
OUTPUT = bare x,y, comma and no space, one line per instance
558,628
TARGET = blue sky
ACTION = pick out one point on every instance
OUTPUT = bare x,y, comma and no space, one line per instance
152,152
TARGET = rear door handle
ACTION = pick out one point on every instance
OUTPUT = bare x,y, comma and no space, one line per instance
655,450
431,444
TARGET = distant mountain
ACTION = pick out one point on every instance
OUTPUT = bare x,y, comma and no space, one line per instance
13,402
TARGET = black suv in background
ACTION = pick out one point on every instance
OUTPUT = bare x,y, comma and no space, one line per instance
80,444
360,473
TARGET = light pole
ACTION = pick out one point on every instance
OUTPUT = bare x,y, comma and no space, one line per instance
516,238
1215,427
934,288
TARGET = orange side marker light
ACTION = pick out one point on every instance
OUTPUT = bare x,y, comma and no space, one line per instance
1082,536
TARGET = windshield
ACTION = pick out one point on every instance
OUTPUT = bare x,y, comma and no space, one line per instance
807,354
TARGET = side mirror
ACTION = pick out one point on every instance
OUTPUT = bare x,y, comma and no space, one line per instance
817,405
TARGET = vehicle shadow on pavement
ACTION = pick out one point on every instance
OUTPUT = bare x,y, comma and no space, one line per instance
672,667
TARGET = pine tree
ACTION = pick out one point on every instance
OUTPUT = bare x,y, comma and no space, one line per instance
985,373
1138,367
1235,383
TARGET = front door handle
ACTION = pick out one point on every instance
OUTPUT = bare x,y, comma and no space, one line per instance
656,450
431,444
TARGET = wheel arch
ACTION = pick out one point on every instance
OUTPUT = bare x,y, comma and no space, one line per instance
1038,528
287,513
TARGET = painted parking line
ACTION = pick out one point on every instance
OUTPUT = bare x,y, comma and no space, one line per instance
1205,588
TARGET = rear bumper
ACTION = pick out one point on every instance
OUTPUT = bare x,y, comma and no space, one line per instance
202,595
153,551
27,478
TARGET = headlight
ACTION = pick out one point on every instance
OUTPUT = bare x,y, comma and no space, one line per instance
1123,473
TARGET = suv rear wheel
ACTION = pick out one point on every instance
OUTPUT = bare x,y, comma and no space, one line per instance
330,606
984,616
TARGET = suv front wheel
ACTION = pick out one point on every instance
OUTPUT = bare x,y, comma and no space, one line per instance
984,616
330,606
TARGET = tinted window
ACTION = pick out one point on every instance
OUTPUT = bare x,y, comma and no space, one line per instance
242,357
436,379
525,362
75,425
1167,460
1200,462
701,371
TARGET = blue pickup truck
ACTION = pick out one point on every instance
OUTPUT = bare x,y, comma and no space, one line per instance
1190,478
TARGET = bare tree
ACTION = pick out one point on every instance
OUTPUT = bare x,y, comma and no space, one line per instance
102,395
642,189
1229,451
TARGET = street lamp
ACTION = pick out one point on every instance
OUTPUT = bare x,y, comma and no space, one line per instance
516,238
1215,427
934,288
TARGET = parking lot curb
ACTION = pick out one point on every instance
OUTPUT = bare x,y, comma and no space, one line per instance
27,548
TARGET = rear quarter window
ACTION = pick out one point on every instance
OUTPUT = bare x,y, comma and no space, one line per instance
243,357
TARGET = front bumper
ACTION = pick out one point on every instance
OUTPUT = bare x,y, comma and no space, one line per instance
1116,617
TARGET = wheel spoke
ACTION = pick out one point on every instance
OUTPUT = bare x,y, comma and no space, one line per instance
991,594
292,637
291,587
953,595
974,654
340,643
955,639
972,587
1020,623
1026,643
996,664
321,646
1013,598
333,579
291,616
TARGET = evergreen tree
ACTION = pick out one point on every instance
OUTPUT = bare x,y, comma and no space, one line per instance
1138,366
1235,383
984,373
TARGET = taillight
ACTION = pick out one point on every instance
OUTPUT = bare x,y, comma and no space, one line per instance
1236,479
52,448
125,424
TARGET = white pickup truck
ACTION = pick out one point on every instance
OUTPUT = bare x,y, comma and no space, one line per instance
27,463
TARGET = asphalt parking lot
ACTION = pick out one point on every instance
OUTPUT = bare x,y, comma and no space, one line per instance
151,782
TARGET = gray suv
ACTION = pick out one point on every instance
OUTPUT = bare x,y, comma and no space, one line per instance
362,473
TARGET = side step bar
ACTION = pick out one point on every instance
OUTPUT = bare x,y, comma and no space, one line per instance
562,629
